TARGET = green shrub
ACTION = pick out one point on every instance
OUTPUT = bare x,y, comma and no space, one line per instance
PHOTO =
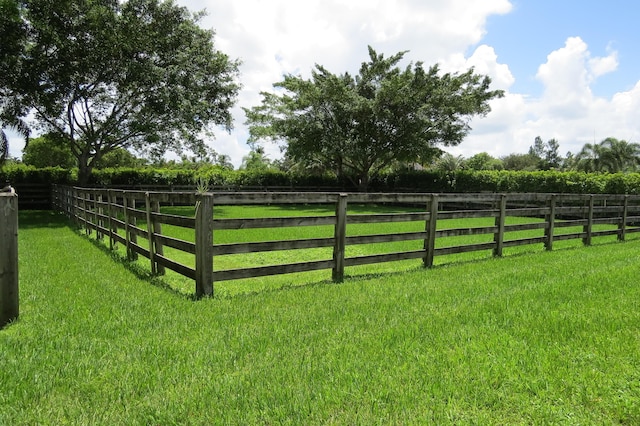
21,173
406,180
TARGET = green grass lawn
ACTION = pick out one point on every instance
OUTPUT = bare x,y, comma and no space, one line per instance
541,338
230,288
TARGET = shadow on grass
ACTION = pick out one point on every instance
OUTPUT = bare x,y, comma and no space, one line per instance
34,219
135,268
49,219
144,274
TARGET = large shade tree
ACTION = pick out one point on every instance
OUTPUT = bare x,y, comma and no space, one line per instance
359,125
108,74
13,35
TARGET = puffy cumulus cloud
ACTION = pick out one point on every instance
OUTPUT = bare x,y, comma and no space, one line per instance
485,61
567,110
568,74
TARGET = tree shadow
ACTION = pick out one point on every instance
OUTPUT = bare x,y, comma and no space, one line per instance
34,219
138,270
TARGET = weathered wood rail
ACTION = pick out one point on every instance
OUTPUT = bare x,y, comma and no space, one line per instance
108,211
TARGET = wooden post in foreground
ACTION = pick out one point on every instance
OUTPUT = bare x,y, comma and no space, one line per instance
9,303
204,245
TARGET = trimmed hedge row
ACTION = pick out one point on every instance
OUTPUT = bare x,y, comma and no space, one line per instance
21,174
408,181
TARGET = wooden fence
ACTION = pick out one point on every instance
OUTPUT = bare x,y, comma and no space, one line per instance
33,196
106,211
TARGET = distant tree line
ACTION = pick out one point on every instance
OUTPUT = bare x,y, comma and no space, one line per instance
609,156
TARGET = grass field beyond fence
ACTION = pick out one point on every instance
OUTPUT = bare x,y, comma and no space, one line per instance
268,234
549,337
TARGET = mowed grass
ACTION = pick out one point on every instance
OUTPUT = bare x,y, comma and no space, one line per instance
247,260
541,338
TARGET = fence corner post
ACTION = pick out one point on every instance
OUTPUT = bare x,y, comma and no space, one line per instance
9,300
340,235
204,245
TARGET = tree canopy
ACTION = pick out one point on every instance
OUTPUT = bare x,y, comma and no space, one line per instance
13,35
48,151
359,125
107,74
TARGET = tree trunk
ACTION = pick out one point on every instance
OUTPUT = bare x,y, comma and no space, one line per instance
85,166
363,183
84,172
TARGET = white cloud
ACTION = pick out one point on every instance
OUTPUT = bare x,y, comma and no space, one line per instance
567,110
288,36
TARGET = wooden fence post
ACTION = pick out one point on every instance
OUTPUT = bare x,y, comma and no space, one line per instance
204,245
498,237
430,241
622,226
339,239
9,301
157,229
150,237
110,214
99,211
551,224
127,233
133,237
588,228
76,207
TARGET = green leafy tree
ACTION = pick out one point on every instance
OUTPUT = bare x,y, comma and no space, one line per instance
135,74
484,161
13,36
359,125
527,162
119,157
547,153
48,151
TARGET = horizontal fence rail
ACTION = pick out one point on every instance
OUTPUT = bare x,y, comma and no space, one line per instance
134,220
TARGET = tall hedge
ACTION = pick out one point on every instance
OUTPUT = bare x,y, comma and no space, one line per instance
407,181
21,174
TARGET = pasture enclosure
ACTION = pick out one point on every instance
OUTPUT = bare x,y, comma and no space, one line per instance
136,220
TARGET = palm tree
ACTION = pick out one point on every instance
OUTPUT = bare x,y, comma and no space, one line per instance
591,158
622,155
610,155
450,163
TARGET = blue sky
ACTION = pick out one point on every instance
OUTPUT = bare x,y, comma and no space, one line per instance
570,69
525,36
